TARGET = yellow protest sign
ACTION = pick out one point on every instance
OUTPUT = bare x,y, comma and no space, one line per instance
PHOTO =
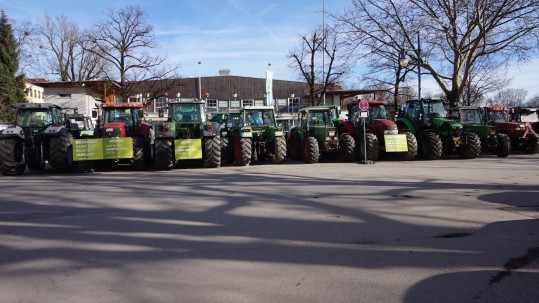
396,143
186,149
102,149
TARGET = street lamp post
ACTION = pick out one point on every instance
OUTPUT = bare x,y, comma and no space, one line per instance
403,62
199,82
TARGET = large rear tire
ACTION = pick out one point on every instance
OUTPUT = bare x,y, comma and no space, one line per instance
61,153
373,147
347,148
504,146
430,146
212,152
412,148
311,150
224,150
138,162
279,150
242,151
12,160
164,159
472,147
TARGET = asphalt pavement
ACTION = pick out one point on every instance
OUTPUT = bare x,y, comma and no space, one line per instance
449,230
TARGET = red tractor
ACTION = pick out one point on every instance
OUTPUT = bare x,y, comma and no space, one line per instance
120,137
380,133
522,135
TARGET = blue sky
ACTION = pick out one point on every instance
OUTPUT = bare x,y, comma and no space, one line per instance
240,35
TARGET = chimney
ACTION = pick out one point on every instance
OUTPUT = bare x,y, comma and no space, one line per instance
224,72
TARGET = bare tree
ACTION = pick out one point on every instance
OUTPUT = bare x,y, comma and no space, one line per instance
320,61
486,76
510,97
533,101
123,39
444,37
66,56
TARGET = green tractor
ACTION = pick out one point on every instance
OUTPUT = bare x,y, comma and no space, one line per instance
256,137
317,134
435,134
186,136
38,135
492,140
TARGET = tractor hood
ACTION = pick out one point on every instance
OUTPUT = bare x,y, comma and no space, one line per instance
445,123
382,126
113,130
508,125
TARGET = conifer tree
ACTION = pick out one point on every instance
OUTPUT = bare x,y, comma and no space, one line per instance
11,85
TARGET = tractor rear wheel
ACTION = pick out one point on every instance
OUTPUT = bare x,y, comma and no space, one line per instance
347,148
472,147
164,159
373,147
12,157
430,146
504,146
311,151
61,153
279,150
212,152
412,148
242,151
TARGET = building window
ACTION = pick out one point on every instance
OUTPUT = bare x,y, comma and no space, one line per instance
212,103
248,102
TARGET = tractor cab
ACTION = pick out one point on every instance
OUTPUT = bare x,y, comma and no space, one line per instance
120,120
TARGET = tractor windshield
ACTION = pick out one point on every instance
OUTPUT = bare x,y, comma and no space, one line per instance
188,112
525,116
259,117
377,111
497,116
470,117
438,108
123,114
34,118
321,117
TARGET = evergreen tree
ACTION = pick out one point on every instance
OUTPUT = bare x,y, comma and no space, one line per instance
11,85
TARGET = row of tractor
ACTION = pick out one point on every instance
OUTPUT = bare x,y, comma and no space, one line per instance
45,133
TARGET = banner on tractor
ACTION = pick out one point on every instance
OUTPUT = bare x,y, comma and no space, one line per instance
187,149
396,143
102,149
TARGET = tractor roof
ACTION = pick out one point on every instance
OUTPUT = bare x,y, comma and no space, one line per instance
315,108
496,108
35,105
257,107
186,102
123,105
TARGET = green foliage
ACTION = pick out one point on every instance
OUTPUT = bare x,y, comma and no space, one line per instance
11,85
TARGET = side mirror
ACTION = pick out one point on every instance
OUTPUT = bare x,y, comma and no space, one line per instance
94,113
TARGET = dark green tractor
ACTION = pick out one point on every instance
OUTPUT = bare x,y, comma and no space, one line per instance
317,134
257,137
228,122
437,135
492,140
186,136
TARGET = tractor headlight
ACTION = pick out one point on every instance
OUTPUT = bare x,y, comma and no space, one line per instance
331,133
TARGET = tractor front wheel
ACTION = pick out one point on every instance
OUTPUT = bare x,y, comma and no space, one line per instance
412,148
12,157
138,162
504,146
430,146
373,147
61,153
164,159
472,147
347,148
212,152
311,151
